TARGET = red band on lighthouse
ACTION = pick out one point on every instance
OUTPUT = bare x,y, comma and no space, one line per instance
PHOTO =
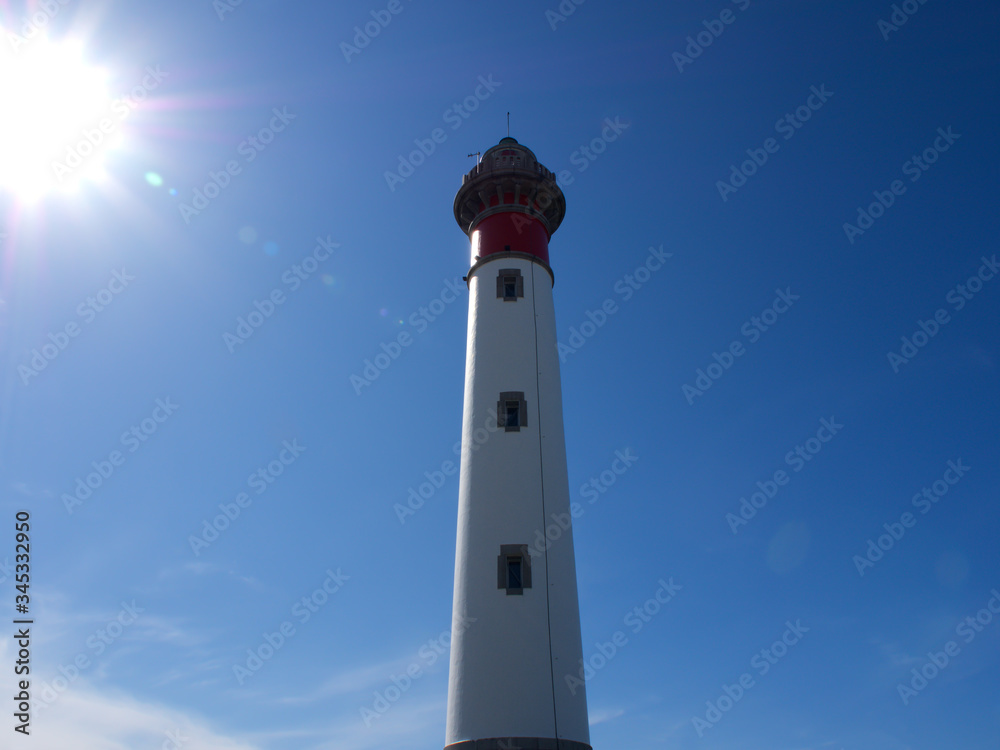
510,232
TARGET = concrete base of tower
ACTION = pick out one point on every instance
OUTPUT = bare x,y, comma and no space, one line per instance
518,743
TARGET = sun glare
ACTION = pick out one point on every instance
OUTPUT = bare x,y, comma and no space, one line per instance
58,120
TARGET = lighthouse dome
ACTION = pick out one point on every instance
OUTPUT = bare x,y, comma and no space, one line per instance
509,178
509,153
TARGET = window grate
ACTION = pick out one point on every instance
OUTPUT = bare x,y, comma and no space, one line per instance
510,284
514,569
512,411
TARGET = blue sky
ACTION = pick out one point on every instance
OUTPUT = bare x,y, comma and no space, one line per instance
790,316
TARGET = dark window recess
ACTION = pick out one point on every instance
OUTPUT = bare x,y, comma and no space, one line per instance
514,568
510,284
512,411
512,414
514,573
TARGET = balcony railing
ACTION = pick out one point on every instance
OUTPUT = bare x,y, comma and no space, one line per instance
492,168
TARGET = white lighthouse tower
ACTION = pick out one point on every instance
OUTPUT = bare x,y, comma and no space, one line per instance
516,630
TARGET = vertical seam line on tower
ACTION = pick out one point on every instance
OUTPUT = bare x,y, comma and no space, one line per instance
541,471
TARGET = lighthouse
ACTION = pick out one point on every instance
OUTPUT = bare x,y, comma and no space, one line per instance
516,649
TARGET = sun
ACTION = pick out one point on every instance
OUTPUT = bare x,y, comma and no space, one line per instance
57,120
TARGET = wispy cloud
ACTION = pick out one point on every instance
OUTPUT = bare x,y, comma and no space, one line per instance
27,490
87,718
412,724
203,568
606,714
894,655
356,680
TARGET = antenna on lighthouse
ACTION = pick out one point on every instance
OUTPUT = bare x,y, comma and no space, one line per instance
478,156
508,124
